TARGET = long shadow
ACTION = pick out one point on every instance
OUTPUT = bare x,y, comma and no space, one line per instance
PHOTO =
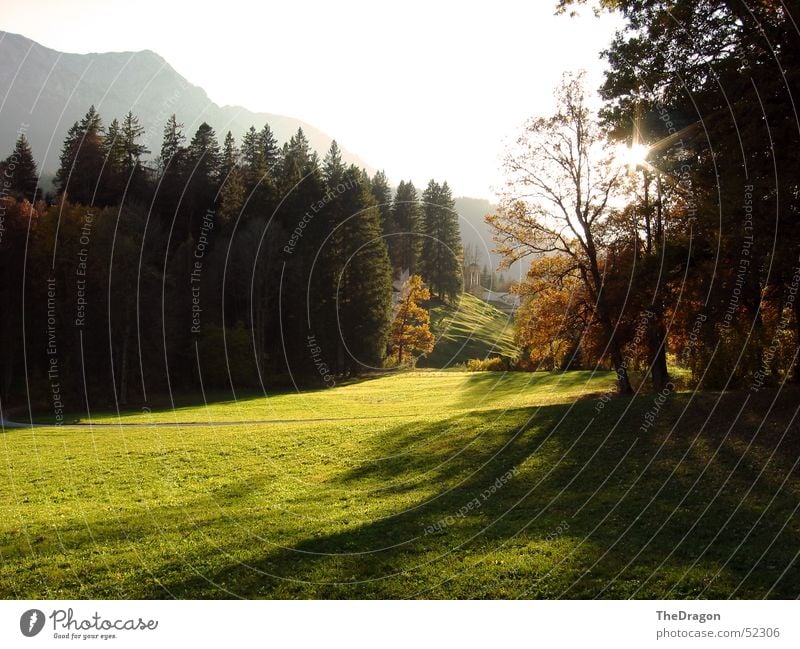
636,508
160,404
483,387
567,502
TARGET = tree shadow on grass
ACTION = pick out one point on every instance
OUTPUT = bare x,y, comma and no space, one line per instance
566,502
484,387
584,514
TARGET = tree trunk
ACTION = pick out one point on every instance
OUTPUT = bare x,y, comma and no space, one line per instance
658,351
123,378
623,382
796,368
657,331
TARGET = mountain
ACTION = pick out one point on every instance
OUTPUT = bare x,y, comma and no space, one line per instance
476,232
45,91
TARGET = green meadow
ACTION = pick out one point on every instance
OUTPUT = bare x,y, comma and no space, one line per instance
423,484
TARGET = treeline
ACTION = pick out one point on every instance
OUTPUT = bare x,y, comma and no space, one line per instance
700,268
233,265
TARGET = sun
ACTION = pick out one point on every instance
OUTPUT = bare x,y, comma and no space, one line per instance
633,155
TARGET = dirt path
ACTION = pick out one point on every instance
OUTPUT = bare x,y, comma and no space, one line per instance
5,423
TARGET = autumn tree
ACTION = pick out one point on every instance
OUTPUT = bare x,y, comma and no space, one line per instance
554,317
411,331
560,177
712,87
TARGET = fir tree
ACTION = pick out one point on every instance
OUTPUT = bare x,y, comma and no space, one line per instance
383,197
172,146
172,165
19,171
82,160
404,240
268,147
364,290
203,167
229,158
442,254
131,131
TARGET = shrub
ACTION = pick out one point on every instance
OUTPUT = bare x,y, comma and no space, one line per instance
491,364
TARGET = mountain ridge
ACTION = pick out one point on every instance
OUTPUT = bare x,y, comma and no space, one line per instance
48,90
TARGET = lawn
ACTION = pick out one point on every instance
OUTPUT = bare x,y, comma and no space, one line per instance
401,394
470,329
470,485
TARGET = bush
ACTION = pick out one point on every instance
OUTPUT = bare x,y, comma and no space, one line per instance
491,364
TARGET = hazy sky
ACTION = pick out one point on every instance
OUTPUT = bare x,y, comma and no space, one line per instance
420,89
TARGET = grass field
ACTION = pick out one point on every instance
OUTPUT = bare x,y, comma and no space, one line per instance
470,485
471,329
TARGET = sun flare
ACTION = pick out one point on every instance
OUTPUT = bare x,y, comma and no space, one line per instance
633,155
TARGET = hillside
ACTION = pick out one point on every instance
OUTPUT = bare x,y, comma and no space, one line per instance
476,232
472,329
49,90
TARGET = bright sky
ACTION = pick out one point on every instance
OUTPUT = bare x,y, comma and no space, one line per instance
420,89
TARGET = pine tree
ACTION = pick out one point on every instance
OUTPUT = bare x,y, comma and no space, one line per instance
172,166
229,158
204,155
253,163
232,196
332,166
123,174
442,253
383,197
114,170
68,157
131,131
297,160
404,240
19,170
82,159
268,147
299,184
114,145
172,146
364,289
325,236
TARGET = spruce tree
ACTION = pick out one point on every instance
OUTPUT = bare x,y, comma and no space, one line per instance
382,193
404,240
229,158
232,190
364,289
113,171
326,239
131,132
82,159
172,167
196,191
299,184
268,147
204,155
442,254
172,145
19,170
